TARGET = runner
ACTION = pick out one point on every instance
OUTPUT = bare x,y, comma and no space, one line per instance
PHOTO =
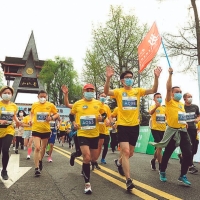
158,126
88,113
176,133
7,115
39,119
62,128
128,101
27,135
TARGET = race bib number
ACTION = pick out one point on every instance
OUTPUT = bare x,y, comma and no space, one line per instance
41,116
181,117
190,117
7,115
160,118
52,124
101,122
63,125
88,122
129,103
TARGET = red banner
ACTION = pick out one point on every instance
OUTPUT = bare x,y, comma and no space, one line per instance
148,47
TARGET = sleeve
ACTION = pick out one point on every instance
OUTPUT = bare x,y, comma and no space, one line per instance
115,93
142,92
53,109
73,110
151,107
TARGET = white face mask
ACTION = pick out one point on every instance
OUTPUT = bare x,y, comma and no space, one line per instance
42,100
189,100
6,97
21,114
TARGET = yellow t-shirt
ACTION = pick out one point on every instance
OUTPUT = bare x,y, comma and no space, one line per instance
86,117
128,102
158,119
103,129
175,113
26,120
40,112
7,111
114,113
68,126
62,126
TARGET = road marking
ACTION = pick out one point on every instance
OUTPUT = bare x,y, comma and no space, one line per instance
140,184
14,171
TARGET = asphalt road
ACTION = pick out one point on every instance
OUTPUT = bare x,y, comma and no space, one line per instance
60,181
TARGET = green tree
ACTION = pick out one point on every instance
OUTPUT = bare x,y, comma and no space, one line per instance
116,44
2,79
56,73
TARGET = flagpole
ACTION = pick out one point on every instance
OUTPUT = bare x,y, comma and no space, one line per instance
165,53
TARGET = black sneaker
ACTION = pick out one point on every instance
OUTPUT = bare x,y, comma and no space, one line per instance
119,167
37,172
40,165
4,175
129,184
192,170
97,165
16,151
72,158
153,164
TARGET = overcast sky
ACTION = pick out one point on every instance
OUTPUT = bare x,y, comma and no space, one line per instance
63,28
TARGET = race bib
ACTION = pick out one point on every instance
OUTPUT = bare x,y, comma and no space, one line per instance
190,117
101,122
7,115
181,117
129,103
88,122
52,124
41,116
160,118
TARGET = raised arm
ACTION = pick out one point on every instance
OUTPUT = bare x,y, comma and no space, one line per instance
169,85
154,89
109,74
66,99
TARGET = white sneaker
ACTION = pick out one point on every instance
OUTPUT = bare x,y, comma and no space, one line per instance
13,148
87,189
28,157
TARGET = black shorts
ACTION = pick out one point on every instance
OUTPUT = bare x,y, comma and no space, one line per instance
91,142
41,135
128,134
102,136
62,133
157,135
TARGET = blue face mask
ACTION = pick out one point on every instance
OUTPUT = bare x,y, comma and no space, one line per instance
128,81
159,100
177,96
102,99
88,95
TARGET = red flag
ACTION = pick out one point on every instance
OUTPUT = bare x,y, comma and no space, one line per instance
148,47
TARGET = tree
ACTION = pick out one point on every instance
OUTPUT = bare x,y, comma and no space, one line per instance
56,73
2,79
116,44
186,44
144,114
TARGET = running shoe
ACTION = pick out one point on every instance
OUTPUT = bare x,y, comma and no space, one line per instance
16,151
13,148
40,165
163,176
49,159
153,164
97,165
72,158
37,172
88,189
28,157
129,184
183,179
4,175
192,170
119,167
103,161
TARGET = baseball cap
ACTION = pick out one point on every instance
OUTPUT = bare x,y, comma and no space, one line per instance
88,86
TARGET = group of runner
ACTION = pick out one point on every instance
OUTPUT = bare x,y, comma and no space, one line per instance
172,125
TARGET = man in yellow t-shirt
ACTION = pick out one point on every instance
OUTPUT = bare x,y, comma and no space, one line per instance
128,101
158,126
42,112
88,113
176,132
62,128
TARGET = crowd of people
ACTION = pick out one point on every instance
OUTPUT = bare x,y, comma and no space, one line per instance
92,124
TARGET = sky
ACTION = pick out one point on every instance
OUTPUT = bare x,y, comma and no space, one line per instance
63,28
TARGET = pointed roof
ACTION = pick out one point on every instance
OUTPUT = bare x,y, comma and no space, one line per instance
31,48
